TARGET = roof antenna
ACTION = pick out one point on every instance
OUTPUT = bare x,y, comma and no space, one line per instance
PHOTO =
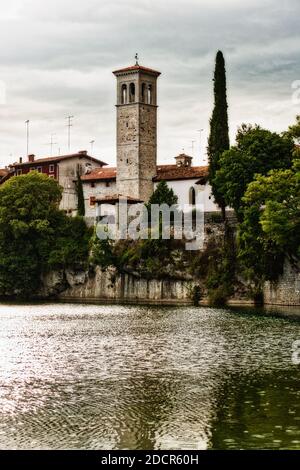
136,59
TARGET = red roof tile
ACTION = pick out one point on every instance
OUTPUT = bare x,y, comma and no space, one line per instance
164,172
137,68
174,172
3,172
115,198
109,173
58,159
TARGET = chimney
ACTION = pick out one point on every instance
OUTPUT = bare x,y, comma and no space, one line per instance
20,160
82,152
31,158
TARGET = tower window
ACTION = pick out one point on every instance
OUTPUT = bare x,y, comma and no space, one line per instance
149,94
132,93
124,94
143,92
192,196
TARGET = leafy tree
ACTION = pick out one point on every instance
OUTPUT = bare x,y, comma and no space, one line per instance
80,196
270,230
294,132
218,140
35,236
257,151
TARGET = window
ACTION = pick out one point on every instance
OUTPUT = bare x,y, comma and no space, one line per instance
92,184
149,94
107,184
32,169
19,172
92,201
124,94
192,196
40,169
51,168
132,93
51,176
144,92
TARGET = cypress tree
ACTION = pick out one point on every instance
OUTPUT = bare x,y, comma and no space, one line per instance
80,196
218,140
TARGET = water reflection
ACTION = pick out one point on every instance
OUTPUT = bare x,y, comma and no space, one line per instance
257,412
96,377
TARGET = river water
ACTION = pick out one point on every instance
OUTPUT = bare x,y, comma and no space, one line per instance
78,376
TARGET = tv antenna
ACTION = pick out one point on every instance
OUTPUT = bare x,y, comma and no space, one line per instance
192,147
27,136
92,146
51,143
69,125
200,142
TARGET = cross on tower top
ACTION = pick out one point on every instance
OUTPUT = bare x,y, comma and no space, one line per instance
136,59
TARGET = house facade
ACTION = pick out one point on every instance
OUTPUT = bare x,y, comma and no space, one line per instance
64,169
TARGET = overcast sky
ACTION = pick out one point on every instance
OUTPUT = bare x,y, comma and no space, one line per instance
56,59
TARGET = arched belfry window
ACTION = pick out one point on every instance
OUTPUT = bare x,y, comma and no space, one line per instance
143,92
132,93
124,94
149,94
192,196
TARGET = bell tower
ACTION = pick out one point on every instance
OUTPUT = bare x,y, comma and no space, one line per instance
136,130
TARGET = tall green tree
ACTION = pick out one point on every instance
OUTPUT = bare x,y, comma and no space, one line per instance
80,196
218,140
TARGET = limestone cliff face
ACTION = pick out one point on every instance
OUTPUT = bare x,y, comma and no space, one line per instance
112,287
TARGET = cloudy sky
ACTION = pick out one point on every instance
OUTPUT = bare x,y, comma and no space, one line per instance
56,59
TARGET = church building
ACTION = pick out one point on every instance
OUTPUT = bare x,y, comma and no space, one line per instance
137,172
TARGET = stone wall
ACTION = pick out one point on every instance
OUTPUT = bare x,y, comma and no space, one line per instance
286,291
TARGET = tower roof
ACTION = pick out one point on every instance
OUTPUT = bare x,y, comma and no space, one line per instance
136,68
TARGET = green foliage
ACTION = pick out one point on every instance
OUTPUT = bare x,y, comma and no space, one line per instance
218,140
196,295
257,151
221,272
102,253
80,196
163,195
69,246
35,236
294,130
271,224
216,266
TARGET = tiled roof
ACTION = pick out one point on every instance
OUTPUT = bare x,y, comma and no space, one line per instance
137,68
58,159
164,172
115,198
109,173
174,172
3,172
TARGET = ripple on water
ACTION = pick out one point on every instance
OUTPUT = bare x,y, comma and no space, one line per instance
97,377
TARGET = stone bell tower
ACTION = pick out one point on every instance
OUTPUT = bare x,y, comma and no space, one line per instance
136,130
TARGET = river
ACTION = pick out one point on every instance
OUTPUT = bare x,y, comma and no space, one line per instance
76,376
